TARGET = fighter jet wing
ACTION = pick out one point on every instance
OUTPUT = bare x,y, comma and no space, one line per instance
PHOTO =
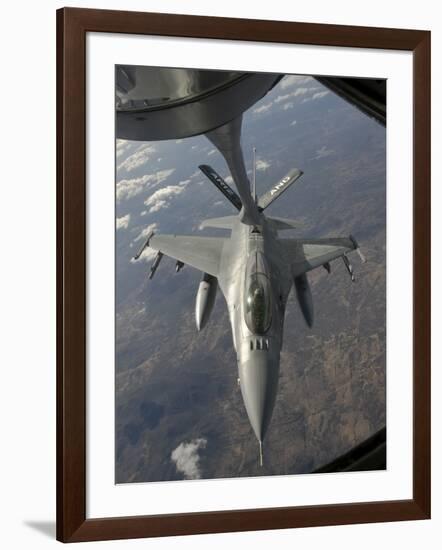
203,253
307,254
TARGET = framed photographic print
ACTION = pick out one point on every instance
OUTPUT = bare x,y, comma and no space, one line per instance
243,274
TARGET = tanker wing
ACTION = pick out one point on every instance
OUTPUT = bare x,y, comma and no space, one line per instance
226,222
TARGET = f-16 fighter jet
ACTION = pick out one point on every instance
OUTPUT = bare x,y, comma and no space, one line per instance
255,270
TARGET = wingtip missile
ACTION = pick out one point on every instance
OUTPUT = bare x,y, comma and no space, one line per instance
144,246
358,249
361,256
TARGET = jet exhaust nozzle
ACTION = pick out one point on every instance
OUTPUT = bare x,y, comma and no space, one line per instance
205,300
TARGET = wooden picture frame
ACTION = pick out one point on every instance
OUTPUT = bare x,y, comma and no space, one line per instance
72,27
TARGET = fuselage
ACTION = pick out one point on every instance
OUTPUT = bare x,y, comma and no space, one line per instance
256,283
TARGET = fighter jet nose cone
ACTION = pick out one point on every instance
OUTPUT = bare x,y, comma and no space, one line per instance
259,384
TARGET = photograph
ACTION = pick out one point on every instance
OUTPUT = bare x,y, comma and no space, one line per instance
250,264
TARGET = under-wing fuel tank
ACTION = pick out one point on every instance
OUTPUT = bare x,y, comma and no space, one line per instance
305,299
205,300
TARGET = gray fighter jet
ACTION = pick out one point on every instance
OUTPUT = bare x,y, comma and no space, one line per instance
254,267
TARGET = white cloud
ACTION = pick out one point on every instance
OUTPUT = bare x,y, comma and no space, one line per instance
143,213
323,152
287,99
294,80
184,182
282,98
162,175
186,458
123,222
147,255
320,95
161,198
296,93
317,95
303,91
122,146
293,123
158,206
262,108
128,188
137,159
228,179
262,165
146,231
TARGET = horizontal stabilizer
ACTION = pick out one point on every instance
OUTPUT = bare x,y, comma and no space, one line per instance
284,223
277,190
218,181
226,222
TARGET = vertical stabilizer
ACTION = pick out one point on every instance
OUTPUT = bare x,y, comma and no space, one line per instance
254,176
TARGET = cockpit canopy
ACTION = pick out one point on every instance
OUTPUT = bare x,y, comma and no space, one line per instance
258,304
